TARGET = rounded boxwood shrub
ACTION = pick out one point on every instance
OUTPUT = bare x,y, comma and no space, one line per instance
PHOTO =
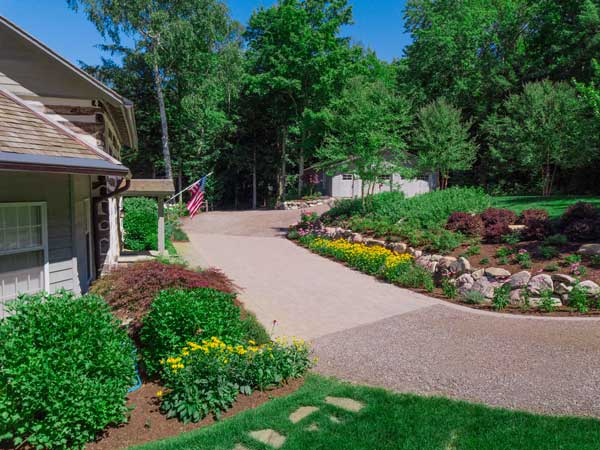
65,368
178,316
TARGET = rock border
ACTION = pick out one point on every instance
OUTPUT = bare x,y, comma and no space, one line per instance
523,285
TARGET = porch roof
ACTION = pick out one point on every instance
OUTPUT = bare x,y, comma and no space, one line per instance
150,187
30,141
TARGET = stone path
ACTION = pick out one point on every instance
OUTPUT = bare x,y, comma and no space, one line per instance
274,439
374,333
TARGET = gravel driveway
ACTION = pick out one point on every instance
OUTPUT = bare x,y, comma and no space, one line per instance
374,333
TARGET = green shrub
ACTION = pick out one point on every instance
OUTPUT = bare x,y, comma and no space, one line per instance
552,267
501,297
177,316
474,298
449,289
556,240
547,301
409,275
206,375
578,299
420,219
484,261
65,368
523,258
140,224
548,251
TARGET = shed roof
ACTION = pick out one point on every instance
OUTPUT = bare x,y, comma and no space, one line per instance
30,141
152,187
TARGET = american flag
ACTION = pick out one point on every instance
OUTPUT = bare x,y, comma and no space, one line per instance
197,199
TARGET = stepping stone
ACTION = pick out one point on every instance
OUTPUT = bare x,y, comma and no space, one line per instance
268,437
345,403
240,447
313,427
302,412
334,419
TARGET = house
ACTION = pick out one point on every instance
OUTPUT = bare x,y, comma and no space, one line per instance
61,134
346,185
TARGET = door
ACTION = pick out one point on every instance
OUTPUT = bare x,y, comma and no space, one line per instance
84,243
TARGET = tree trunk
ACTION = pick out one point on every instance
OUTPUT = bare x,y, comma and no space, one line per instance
180,183
163,121
300,172
282,174
254,179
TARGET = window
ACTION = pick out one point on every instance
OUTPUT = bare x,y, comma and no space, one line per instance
347,177
21,228
385,177
24,265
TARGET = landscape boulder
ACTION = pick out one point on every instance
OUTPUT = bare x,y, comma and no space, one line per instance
519,280
589,250
562,278
591,287
484,287
540,283
563,289
497,272
460,266
477,274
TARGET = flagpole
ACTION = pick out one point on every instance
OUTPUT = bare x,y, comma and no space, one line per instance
187,188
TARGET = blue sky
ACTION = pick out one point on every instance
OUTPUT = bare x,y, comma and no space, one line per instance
378,25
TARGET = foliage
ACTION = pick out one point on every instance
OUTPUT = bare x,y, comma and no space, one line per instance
552,267
465,223
537,224
501,297
443,141
497,223
449,288
555,205
420,219
206,375
581,222
131,290
578,299
309,223
544,129
548,252
472,250
394,267
65,367
140,224
367,125
177,316
546,302
473,298
556,240
523,258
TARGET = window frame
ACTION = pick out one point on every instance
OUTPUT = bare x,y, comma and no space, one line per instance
347,177
44,247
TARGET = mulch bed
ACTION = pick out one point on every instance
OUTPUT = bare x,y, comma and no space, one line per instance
146,423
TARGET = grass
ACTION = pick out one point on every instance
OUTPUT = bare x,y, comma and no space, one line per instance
555,205
390,421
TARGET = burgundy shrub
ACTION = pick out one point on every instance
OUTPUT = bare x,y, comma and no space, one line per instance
581,222
497,221
498,216
465,223
131,290
495,231
537,224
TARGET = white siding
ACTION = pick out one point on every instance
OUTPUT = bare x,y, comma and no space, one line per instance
58,191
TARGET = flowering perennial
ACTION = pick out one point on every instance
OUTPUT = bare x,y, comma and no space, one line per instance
206,376
368,259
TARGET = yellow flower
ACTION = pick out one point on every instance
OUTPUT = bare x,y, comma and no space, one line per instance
251,342
159,394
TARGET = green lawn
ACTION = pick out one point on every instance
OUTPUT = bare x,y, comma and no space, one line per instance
555,205
390,421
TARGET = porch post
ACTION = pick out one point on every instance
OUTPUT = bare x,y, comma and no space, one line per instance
161,225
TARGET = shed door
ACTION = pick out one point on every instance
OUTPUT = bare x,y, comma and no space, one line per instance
23,250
